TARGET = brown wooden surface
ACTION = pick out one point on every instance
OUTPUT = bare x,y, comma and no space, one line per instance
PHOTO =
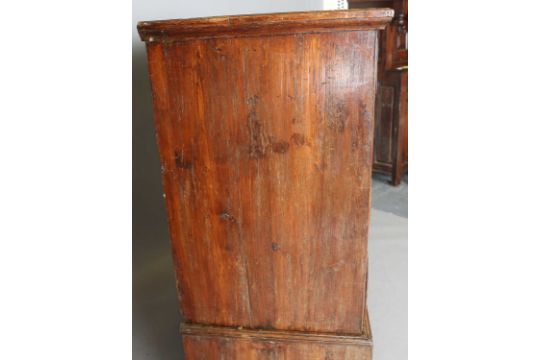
211,342
390,143
266,151
391,124
395,42
238,349
264,24
401,162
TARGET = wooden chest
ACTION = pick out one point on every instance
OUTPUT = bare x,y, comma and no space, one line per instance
265,132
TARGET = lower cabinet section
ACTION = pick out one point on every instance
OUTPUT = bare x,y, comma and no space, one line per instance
239,349
215,343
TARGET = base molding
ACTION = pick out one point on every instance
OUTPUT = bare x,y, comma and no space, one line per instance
217,342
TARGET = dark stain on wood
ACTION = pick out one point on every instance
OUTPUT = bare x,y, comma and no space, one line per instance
180,162
258,138
280,147
337,115
298,139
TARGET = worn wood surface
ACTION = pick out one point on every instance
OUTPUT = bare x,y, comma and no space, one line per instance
264,24
196,347
266,151
391,121
212,342
402,132
238,349
394,39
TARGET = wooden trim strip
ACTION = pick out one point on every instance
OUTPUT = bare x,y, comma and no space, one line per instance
272,335
201,330
265,24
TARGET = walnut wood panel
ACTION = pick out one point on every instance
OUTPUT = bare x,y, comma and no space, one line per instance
401,163
395,38
405,116
268,177
265,139
383,129
390,143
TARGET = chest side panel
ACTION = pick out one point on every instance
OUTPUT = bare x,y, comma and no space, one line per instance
266,144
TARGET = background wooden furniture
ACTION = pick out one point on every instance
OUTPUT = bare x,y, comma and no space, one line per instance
265,128
390,145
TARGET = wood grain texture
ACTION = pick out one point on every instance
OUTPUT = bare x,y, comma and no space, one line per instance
383,127
402,145
264,24
212,348
266,150
267,177
391,122
394,39
209,342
